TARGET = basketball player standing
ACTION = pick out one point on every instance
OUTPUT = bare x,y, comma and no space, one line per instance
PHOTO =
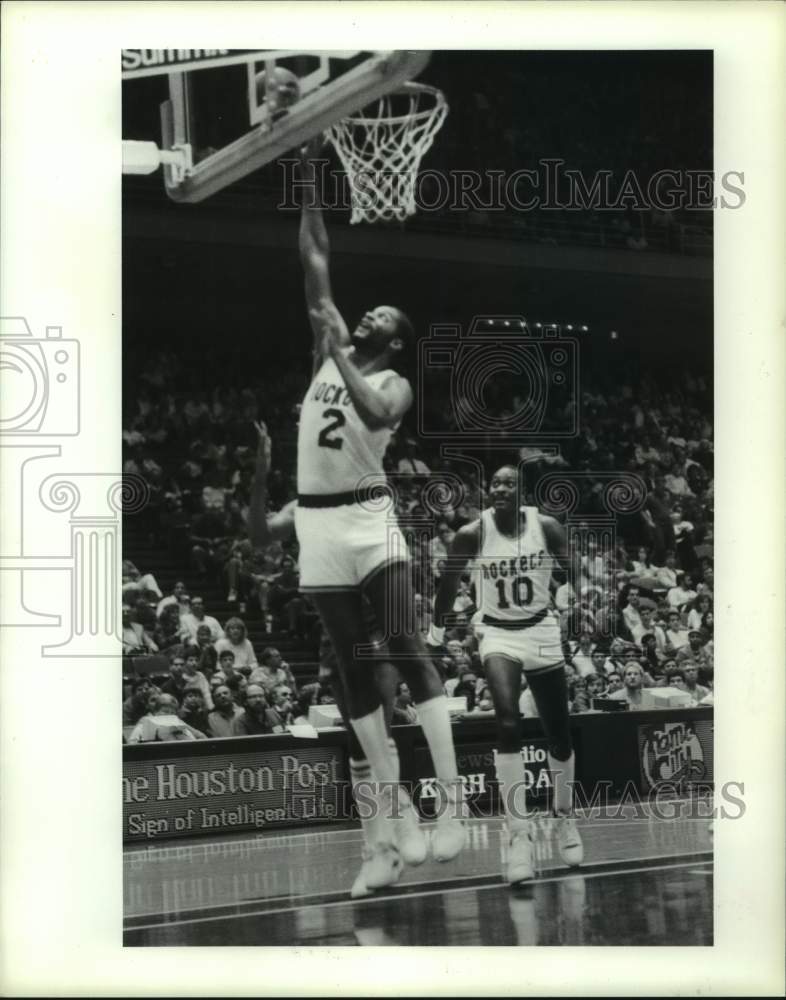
516,550
348,549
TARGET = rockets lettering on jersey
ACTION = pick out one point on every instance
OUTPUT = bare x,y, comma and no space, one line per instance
514,572
329,394
336,451
491,569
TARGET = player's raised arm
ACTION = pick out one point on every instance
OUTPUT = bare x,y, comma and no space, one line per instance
465,546
264,528
315,250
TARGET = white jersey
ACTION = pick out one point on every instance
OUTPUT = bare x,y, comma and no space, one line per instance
513,573
335,449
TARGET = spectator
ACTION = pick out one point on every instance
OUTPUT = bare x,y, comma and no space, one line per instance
220,719
630,612
423,615
284,600
676,678
258,718
647,626
695,690
613,683
595,685
238,685
175,684
306,698
656,515
208,657
135,582
237,641
651,659
701,606
683,593
136,705
176,598
162,723
226,665
192,674
167,633
403,707
196,618
600,663
282,703
633,682
136,641
695,652
676,633
194,710
409,463
274,670
676,483
467,688
440,546
667,574
582,657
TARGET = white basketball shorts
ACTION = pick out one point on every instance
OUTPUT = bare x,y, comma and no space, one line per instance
341,548
538,648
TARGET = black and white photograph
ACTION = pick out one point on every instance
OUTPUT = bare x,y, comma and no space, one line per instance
424,590
393,573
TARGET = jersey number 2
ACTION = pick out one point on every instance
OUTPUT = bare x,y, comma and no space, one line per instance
324,439
519,599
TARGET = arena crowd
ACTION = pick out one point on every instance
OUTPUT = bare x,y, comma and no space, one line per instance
641,615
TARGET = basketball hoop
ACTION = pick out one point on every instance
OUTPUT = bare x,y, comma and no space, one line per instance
381,146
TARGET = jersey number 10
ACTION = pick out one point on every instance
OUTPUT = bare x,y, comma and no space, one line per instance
517,584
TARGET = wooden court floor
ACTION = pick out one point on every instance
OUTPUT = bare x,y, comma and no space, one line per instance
643,882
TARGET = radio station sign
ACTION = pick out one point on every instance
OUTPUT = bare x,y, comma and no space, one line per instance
478,773
228,793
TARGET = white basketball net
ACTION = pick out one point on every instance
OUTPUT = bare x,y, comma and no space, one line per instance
381,146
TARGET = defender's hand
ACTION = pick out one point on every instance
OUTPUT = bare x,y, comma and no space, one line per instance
264,444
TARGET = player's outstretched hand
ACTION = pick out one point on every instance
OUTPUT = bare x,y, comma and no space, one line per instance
331,323
264,444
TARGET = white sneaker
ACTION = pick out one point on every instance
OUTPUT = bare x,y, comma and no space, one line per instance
520,849
569,844
232,595
382,866
450,834
410,838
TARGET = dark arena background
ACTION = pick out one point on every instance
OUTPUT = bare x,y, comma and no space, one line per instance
251,839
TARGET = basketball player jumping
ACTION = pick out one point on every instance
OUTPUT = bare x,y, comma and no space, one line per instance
262,529
348,549
516,550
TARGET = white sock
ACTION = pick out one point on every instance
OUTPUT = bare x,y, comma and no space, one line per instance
562,772
512,789
435,721
372,822
372,736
